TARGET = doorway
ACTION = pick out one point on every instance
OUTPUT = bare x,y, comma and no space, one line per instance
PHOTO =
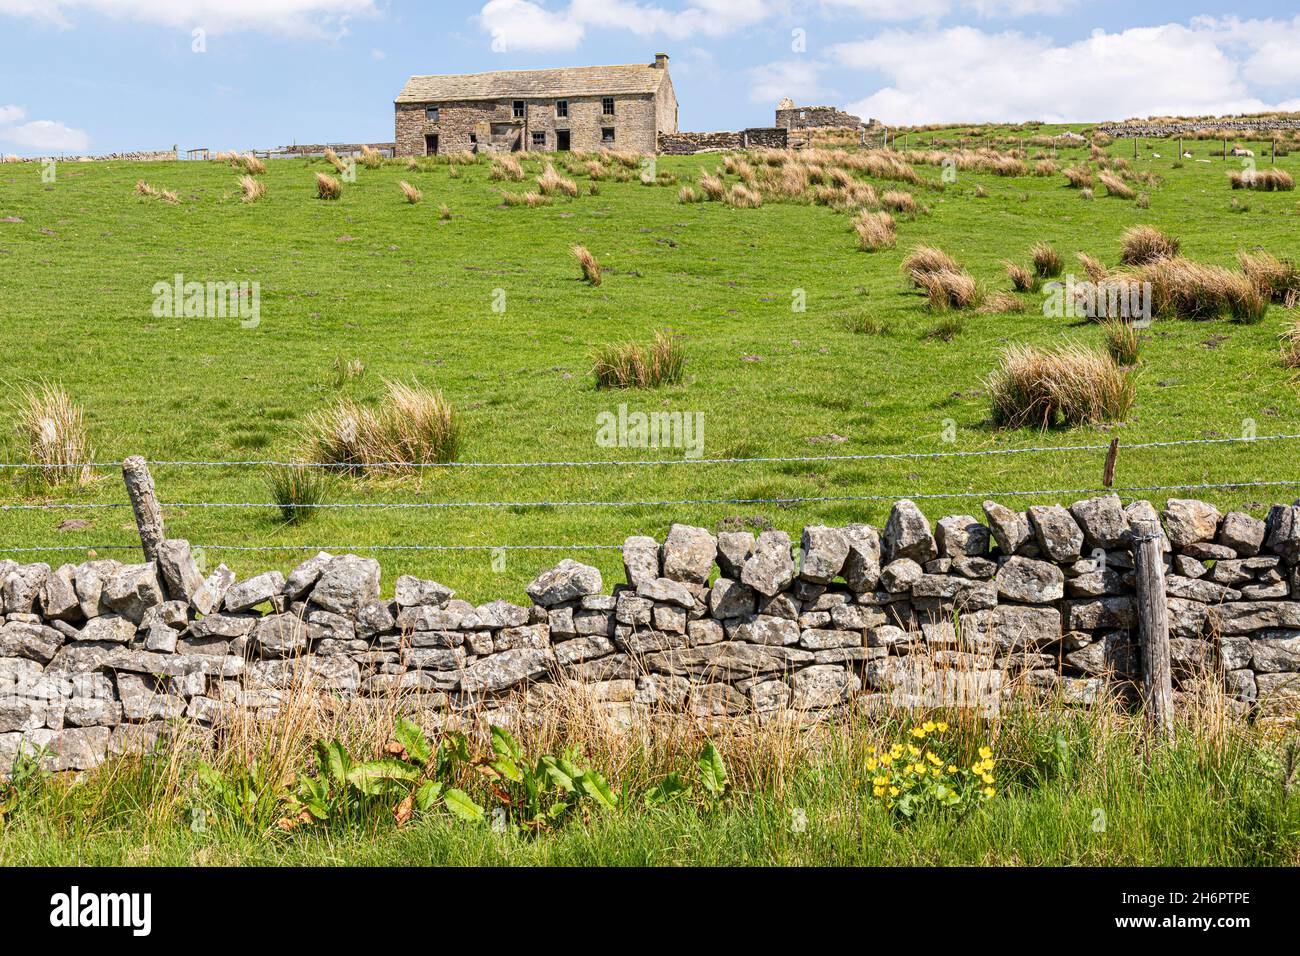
431,144
562,140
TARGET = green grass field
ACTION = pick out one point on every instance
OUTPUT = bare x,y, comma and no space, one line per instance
374,279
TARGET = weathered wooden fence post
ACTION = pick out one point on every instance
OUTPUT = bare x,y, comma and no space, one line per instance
144,501
1153,619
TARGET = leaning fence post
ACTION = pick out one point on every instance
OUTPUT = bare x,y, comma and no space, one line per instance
1153,618
144,501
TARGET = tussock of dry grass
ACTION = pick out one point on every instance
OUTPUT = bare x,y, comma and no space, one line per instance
327,187
875,230
371,158
1079,177
412,425
1123,343
1022,280
1068,386
713,187
1291,347
900,202
951,289
251,164
1094,268
687,195
1143,245
925,260
1190,290
1047,261
531,199
551,182
52,430
591,271
143,189
333,159
507,168
252,189
743,197
1116,187
1279,279
1263,180
413,195
633,365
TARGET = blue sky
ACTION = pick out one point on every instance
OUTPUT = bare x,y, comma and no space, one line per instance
106,75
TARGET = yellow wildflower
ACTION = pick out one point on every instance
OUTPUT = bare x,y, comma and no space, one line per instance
986,752
918,732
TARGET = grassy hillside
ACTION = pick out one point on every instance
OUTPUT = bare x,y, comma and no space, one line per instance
410,295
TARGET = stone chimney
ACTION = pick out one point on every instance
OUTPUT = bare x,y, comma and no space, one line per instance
661,61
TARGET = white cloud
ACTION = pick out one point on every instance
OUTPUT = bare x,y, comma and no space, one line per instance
306,17
798,79
964,74
899,10
39,134
1269,47
529,25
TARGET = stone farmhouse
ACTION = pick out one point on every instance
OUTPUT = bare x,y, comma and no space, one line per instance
594,107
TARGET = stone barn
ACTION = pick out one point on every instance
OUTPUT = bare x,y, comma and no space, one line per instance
591,107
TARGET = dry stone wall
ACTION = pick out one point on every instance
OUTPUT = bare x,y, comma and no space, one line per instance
688,144
100,658
1157,129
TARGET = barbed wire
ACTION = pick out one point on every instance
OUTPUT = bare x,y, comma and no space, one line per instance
615,547
663,503
651,462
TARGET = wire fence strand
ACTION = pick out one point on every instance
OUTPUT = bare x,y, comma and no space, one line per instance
654,462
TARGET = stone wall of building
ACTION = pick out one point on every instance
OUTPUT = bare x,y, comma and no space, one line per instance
486,126
97,658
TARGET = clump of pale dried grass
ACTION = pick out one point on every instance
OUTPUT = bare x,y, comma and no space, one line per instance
327,187
52,430
633,365
412,425
412,194
591,271
252,189
552,182
1069,386
1143,245
876,230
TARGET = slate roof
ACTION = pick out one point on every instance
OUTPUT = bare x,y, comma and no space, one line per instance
541,84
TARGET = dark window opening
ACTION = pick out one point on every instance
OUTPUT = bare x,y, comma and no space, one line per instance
562,109
607,134
432,114
607,105
539,139
521,109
